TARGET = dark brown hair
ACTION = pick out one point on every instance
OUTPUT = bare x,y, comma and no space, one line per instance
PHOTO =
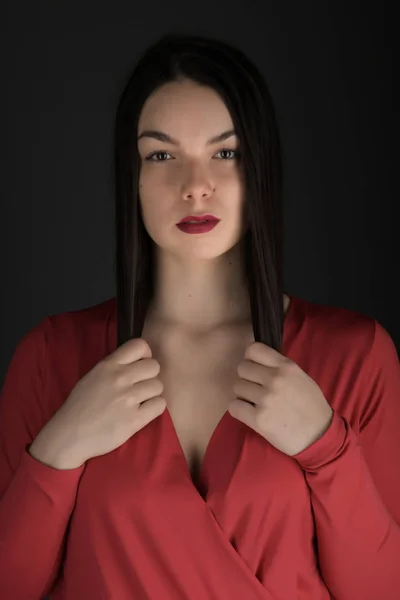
241,86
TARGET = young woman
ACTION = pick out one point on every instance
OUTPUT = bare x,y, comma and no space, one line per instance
203,435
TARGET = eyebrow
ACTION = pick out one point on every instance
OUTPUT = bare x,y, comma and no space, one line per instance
164,137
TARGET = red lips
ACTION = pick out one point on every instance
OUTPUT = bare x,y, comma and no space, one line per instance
199,218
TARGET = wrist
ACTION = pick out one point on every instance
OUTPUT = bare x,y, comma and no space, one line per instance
47,450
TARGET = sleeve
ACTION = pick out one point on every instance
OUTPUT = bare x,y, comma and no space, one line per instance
354,482
36,501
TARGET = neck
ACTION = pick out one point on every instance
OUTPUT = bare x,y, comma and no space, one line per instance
202,294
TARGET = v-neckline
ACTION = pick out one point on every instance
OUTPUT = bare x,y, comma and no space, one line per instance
217,433
197,484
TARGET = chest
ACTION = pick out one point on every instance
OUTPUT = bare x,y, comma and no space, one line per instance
198,374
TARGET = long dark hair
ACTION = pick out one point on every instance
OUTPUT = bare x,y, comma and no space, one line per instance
241,86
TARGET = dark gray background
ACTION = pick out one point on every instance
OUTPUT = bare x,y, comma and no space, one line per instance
329,69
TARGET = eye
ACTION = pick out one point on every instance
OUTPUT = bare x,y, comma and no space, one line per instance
153,155
236,153
161,155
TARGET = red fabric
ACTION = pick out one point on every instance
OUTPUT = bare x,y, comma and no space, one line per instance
131,525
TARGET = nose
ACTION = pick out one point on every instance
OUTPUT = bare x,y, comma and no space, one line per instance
198,185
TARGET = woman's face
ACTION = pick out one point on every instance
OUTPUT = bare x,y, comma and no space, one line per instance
186,174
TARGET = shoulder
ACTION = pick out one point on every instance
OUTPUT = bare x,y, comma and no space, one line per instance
338,328
77,324
81,337
351,355
68,344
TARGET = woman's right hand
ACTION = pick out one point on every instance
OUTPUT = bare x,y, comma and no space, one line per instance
117,398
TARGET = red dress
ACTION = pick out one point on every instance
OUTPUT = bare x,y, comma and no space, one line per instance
131,525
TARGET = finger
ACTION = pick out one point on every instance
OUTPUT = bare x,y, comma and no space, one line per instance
246,390
252,371
263,354
131,351
243,411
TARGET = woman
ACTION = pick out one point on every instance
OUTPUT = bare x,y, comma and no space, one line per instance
203,435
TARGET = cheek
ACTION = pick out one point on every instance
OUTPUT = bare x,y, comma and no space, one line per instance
230,182
156,204
155,182
233,196
150,187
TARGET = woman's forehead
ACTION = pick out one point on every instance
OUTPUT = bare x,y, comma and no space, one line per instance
180,108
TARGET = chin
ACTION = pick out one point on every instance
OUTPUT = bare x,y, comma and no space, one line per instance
205,246
207,251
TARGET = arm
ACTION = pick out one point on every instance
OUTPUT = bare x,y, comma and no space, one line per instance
36,499
355,486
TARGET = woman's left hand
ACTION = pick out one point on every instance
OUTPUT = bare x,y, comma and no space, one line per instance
288,408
